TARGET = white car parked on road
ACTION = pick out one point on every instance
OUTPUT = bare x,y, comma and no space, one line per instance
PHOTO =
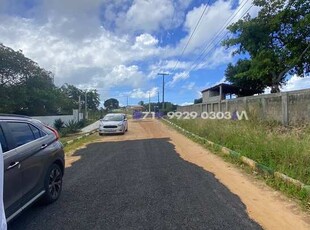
113,123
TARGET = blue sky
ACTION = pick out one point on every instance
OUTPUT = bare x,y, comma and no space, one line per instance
119,46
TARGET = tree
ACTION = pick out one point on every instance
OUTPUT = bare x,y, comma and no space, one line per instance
241,76
71,99
111,103
72,93
16,68
93,100
277,41
198,101
26,88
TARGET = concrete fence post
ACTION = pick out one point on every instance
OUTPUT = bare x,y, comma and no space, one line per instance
226,106
285,115
245,104
264,113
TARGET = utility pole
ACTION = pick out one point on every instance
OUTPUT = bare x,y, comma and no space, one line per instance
149,102
163,74
79,108
158,97
85,105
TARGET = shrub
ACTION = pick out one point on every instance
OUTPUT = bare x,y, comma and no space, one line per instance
82,123
58,124
72,126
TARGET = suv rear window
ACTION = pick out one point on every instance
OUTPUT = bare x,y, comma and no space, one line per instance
36,132
3,142
21,132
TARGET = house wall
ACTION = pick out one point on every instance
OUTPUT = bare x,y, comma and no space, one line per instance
210,96
287,107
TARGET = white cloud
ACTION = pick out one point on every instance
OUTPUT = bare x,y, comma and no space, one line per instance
205,37
144,40
108,43
140,18
177,77
79,60
186,103
122,75
296,83
208,26
209,84
150,16
140,94
189,86
199,94
174,65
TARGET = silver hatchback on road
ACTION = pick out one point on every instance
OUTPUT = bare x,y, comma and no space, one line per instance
113,123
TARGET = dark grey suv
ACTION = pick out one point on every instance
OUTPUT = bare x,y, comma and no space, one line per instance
33,163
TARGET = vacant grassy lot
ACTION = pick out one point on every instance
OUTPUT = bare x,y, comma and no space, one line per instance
285,149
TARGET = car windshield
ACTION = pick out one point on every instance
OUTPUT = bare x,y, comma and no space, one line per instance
113,118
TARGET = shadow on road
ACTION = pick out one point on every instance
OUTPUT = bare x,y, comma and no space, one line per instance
138,184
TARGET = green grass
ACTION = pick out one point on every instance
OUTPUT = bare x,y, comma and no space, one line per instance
70,148
70,137
284,149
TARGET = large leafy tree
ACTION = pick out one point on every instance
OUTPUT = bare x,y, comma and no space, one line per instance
111,103
71,98
93,100
16,68
26,88
277,41
72,95
241,75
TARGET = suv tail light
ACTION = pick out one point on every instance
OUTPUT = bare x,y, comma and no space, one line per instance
54,131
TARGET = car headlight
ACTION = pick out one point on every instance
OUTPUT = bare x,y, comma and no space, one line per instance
120,124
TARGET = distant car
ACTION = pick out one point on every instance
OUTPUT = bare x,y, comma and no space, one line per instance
33,163
113,123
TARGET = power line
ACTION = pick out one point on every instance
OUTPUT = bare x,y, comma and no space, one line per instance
192,34
203,54
228,21
208,51
165,50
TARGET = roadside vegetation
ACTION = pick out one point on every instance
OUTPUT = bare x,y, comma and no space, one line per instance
28,89
72,127
284,149
70,148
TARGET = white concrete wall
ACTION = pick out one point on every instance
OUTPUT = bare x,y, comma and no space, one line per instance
49,120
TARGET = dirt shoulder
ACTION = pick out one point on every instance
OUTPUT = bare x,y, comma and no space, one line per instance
268,207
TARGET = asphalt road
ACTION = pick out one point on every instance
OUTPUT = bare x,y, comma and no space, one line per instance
137,182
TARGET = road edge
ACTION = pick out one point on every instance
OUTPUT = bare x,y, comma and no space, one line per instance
260,168
79,137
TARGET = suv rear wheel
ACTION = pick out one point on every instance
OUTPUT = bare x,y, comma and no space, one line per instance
52,184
